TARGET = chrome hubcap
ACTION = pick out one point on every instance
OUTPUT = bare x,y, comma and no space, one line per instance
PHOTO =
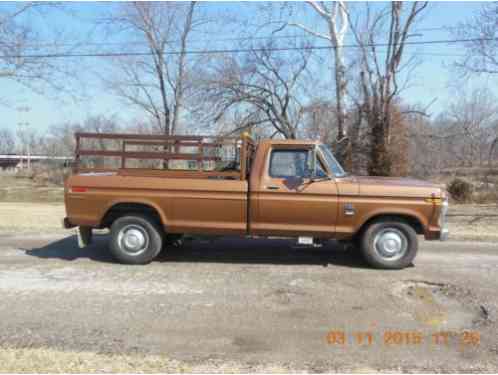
391,243
133,239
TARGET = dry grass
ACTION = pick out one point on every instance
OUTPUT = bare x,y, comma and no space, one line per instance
30,217
44,360
22,189
26,206
478,222
54,361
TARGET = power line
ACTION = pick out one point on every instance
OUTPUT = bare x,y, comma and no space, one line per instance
138,42
238,50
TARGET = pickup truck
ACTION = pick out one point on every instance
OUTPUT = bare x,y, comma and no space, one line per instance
273,188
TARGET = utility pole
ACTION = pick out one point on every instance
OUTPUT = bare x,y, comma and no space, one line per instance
25,134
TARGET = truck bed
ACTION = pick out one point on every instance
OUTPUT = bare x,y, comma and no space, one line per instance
197,184
187,205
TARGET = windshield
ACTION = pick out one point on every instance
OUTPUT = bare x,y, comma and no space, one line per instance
333,165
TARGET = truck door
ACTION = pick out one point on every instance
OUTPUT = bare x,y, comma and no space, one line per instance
289,203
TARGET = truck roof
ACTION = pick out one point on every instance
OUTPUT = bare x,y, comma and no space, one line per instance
289,142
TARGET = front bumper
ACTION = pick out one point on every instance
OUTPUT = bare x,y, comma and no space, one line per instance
444,234
443,220
439,231
436,234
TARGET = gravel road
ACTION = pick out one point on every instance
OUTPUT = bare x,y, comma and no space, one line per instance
254,302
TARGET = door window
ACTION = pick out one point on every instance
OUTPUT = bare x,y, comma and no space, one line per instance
290,163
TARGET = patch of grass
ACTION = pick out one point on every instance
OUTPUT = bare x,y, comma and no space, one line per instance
23,189
475,222
53,361
44,360
30,217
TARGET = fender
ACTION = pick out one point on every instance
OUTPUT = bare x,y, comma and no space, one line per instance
390,211
145,202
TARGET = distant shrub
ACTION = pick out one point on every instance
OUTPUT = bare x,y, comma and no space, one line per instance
460,189
45,174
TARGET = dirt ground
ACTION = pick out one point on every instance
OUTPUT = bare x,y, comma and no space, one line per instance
237,305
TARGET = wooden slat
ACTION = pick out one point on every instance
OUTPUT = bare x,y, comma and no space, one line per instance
77,155
147,155
161,172
171,143
136,136
123,157
176,173
243,159
200,160
96,170
147,136
178,143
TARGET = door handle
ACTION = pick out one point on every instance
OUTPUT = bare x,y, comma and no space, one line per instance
272,187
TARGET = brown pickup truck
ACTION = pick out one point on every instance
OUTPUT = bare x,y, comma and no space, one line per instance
233,186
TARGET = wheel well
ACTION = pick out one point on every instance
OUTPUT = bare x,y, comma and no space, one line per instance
410,220
122,209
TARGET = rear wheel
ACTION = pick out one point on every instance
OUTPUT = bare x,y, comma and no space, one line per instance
135,239
389,244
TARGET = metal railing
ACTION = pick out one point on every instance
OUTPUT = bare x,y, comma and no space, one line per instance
206,152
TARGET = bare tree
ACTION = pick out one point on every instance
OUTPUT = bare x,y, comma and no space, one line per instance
316,121
336,21
7,141
13,39
261,88
379,72
481,33
481,57
474,118
20,44
156,84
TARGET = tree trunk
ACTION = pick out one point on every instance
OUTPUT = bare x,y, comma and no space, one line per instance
342,149
380,160
353,162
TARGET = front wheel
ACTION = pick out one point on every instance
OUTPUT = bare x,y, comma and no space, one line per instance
135,239
389,244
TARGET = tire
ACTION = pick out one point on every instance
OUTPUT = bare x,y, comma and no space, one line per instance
135,239
389,244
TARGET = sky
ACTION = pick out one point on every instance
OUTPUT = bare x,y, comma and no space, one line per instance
433,81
